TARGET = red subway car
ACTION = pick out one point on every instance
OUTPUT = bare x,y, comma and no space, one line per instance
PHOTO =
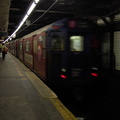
63,53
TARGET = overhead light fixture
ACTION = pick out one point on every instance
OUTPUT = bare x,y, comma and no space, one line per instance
28,22
10,39
100,22
33,5
31,8
117,18
25,18
36,1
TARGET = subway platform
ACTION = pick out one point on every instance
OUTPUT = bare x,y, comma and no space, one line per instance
23,96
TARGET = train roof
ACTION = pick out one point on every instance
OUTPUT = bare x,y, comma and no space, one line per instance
83,23
44,28
36,32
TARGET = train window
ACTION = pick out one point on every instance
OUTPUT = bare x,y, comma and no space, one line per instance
42,41
57,42
27,46
106,49
35,45
76,43
20,46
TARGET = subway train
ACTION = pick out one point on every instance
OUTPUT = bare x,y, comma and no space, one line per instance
64,53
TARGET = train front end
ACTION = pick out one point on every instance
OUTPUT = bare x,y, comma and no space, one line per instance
73,54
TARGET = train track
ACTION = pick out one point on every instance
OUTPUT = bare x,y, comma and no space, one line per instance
91,107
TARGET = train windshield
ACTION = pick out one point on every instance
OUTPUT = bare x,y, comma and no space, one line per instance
76,43
57,42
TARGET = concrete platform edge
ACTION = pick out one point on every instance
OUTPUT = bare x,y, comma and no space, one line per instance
66,114
47,93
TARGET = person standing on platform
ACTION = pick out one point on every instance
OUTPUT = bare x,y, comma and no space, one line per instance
4,51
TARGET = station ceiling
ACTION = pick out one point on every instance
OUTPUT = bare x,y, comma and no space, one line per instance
48,11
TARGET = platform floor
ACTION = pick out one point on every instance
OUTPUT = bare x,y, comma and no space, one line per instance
23,96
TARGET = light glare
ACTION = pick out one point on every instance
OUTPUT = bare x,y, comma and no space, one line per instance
25,18
36,1
31,8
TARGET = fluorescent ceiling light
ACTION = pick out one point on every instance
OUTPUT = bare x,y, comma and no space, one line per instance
108,19
117,18
100,22
24,19
31,8
36,1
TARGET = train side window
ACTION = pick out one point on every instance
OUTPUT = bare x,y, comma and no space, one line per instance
57,42
20,46
76,43
27,46
35,45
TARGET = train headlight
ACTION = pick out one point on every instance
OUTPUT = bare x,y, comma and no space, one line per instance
94,68
63,69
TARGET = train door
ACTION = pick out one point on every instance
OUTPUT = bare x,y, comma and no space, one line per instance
39,55
84,59
34,51
55,55
76,57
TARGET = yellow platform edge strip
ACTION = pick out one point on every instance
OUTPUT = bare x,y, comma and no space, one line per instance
66,114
